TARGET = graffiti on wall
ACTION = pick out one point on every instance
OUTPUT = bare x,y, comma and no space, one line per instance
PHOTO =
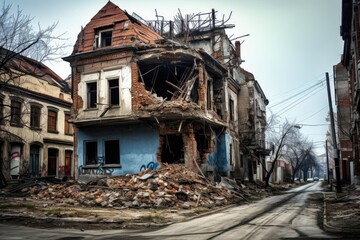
15,160
150,165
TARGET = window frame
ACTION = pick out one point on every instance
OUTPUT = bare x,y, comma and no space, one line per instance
52,110
91,103
38,107
231,109
68,130
101,39
115,88
16,117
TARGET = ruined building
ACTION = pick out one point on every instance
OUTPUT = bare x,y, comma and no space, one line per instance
36,138
142,98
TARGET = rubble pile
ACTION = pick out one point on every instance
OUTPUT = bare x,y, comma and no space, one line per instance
171,186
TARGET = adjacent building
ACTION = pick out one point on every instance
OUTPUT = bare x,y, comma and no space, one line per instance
348,89
36,138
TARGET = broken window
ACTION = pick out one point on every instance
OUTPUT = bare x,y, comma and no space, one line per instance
172,149
90,152
91,94
52,120
15,112
114,92
103,38
35,113
112,152
171,79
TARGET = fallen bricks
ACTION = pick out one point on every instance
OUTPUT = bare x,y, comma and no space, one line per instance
170,186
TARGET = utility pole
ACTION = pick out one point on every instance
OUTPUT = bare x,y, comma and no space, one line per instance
333,133
327,162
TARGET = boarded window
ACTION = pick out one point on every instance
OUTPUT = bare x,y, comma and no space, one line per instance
52,121
112,152
15,112
68,157
90,152
91,95
35,116
114,92
68,126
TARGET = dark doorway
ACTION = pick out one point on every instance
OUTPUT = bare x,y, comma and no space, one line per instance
52,161
172,149
34,165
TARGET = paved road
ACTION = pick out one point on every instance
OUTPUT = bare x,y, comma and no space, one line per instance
278,217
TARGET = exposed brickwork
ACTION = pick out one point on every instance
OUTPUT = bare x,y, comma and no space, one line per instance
202,87
140,96
125,31
190,148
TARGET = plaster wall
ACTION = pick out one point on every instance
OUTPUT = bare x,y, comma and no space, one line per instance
138,145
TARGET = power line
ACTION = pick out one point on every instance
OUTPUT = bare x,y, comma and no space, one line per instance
314,114
320,83
294,103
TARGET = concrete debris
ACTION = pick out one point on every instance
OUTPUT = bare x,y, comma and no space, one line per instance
170,186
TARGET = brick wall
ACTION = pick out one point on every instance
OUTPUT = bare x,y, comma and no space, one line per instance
139,94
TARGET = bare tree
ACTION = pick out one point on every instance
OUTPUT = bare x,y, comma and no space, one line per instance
309,162
23,49
298,150
278,139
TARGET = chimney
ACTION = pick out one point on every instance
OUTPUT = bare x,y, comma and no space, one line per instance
238,50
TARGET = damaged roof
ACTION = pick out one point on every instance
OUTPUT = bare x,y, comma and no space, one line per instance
127,30
29,66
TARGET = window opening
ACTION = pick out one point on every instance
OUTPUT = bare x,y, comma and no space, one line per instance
15,112
90,153
52,161
172,149
114,91
68,126
104,38
52,121
35,116
231,109
112,152
91,95
68,157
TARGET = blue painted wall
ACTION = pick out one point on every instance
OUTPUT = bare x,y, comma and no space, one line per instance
138,145
220,158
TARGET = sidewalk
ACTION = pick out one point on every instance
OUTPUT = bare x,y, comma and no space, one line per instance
342,210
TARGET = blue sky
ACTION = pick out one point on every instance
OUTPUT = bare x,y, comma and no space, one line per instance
292,44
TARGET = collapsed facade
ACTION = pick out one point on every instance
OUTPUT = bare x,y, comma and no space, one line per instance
143,98
36,138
